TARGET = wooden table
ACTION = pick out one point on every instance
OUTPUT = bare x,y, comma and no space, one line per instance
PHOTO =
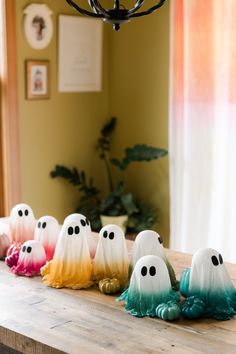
39,319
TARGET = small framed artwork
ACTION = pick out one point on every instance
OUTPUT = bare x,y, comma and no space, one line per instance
37,79
38,25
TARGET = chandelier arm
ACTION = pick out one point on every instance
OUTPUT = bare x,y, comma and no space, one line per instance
137,6
83,11
147,12
99,8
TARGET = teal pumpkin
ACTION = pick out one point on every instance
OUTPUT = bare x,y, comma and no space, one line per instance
169,311
193,308
184,282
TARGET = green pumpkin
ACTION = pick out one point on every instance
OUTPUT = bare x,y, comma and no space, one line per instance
193,308
109,286
169,311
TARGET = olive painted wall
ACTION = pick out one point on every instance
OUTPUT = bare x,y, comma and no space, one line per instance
138,77
62,129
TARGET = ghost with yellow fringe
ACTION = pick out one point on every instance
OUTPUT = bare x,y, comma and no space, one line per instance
111,259
71,264
149,242
150,292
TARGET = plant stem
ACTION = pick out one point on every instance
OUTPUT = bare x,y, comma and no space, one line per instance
108,168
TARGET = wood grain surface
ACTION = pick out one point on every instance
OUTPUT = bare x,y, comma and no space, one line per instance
36,319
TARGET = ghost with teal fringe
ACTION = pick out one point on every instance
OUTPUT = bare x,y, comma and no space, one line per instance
149,242
207,287
150,292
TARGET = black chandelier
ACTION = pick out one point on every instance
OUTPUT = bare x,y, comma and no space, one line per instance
118,14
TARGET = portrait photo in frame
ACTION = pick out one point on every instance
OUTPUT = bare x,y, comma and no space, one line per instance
37,79
38,25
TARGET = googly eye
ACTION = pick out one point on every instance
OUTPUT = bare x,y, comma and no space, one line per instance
29,249
44,224
105,234
24,248
152,271
160,240
39,225
77,230
26,212
221,259
20,213
70,231
83,222
214,260
111,235
144,271
87,221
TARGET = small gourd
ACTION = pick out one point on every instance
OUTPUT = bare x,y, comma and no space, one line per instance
168,311
193,308
109,286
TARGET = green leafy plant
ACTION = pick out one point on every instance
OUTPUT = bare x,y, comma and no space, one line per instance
118,201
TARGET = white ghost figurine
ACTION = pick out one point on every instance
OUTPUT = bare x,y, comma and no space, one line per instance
111,259
150,292
85,224
71,265
22,223
208,287
32,257
47,231
149,242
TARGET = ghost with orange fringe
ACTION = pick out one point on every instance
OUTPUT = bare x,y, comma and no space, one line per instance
84,223
71,264
22,223
111,259
47,232
31,258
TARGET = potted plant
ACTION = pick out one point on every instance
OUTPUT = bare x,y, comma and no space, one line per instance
119,203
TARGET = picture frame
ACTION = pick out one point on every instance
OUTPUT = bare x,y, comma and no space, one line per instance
38,25
80,57
37,79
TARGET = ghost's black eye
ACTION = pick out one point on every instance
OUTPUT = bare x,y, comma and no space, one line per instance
83,223
70,230
29,249
77,230
221,259
111,235
39,225
160,240
20,213
24,248
152,271
44,224
87,221
105,234
26,212
214,260
144,271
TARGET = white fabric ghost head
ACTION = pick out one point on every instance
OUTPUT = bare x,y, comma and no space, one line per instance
47,231
111,259
147,242
208,272
149,287
85,224
32,257
22,223
71,265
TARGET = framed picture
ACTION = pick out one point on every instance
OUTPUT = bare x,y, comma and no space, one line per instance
38,25
80,54
37,79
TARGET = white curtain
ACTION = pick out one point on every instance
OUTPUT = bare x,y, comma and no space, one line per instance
202,126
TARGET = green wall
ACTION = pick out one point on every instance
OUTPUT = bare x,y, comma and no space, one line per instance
138,77
60,130
64,128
